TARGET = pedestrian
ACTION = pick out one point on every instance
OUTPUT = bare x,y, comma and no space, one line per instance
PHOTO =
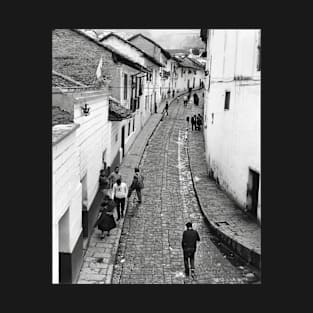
178,98
103,181
193,122
187,119
195,99
189,245
185,100
119,195
114,176
106,220
199,121
155,108
137,184
166,107
168,93
173,93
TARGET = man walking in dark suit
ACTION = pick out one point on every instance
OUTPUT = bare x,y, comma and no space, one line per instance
189,244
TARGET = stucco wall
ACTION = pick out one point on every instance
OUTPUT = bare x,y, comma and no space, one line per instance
66,195
92,139
232,137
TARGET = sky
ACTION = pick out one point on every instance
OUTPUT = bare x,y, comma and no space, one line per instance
167,38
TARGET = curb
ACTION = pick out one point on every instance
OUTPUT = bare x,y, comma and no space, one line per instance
249,255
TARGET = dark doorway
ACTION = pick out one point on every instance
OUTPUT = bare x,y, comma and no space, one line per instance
84,206
253,192
123,140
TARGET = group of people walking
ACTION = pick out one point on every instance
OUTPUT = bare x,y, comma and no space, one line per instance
196,122
117,199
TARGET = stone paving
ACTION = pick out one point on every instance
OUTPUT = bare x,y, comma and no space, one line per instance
99,257
242,233
145,248
150,250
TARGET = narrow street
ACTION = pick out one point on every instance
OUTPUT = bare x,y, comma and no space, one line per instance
150,245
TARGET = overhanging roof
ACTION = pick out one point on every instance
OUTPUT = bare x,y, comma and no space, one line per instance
118,113
120,56
165,52
149,57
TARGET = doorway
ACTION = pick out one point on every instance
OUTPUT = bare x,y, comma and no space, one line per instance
123,141
64,269
84,206
253,192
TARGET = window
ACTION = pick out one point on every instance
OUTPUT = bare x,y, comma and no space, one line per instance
133,124
125,86
227,100
140,86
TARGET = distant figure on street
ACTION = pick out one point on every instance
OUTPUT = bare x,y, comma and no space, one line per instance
189,245
155,108
185,100
199,122
166,107
193,122
106,220
187,120
119,195
195,99
173,93
168,93
137,184
114,176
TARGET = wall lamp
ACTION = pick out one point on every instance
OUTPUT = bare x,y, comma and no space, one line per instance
86,109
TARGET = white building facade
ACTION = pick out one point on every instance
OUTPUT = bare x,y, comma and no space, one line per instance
232,114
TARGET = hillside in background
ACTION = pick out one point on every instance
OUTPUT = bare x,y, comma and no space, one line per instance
168,39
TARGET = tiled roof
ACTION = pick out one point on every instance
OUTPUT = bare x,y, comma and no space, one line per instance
186,62
165,52
117,112
196,62
149,57
59,132
81,66
59,80
122,57
60,117
174,51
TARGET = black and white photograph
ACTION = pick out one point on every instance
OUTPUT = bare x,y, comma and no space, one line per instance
156,156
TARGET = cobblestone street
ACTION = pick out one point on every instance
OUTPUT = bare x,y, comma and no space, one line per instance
150,250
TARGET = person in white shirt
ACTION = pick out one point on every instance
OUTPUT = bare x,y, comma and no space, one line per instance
119,194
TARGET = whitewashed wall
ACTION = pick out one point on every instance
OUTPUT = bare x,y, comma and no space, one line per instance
66,195
92,139
233,138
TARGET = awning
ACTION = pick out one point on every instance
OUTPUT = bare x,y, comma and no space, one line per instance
118,113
